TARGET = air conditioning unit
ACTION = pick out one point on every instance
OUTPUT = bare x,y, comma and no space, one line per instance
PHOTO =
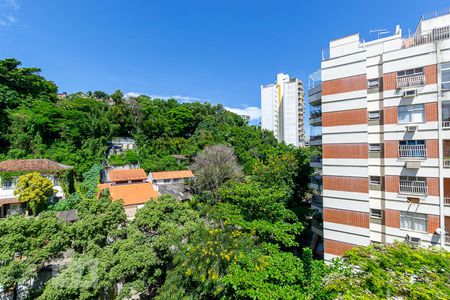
409,93
411,128
413,240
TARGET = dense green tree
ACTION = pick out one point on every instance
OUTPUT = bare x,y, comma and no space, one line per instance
391,271
26,245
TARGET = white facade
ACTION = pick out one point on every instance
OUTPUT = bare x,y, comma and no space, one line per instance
390,96
282,110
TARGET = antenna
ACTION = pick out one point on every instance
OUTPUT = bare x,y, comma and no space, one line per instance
379,31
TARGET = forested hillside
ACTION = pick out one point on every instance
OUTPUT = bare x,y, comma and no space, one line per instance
238,238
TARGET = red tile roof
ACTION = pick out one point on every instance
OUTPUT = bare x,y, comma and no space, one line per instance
9,201
31,165
131,194
172,174
127,174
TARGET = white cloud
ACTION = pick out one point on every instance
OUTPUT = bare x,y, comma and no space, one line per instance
7,9
132,95
176,97
253,112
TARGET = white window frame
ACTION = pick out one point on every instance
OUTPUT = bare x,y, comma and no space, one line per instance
411,110
413,217
375,180
410,72
373,83
376,215
374,115
445,67
374,147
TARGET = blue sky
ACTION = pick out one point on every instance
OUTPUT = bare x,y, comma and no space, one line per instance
219,51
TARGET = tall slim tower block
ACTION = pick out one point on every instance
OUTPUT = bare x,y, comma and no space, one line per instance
282,110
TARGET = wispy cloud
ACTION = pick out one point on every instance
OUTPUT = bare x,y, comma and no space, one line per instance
176,97
8,8
253,112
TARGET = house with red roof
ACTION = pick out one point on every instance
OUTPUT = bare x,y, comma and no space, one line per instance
11,169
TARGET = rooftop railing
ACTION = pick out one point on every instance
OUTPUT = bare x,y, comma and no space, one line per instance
410,80
434,35
416,187
435,14
412,151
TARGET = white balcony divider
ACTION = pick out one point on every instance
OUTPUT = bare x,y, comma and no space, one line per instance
445,124
412,151
410,80
410,187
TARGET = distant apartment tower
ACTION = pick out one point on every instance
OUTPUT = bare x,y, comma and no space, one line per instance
384,108
282,109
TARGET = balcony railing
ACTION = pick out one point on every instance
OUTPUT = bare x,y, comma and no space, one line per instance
417,187
410,80
445,124
447,201
412,151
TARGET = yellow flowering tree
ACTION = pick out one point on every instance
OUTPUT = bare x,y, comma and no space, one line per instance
34,189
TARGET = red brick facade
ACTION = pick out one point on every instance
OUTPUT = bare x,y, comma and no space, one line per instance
346,184
336,248
345,151
433,223
431,113
390,115
343,85
346,117
392,218
346,217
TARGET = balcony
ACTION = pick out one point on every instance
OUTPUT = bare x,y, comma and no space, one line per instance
412,152
315,118
410,80
447,240
315,95
317,201
316,162
315,140
413,187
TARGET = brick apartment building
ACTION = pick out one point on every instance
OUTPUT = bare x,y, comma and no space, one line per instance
380,113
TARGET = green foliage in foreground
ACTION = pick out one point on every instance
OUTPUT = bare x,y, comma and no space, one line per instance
391,271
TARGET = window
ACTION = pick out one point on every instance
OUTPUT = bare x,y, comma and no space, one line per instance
373,83
166,181
374,115
7,184
410,72
411,114
376,213
374,147
413,221
375,180
445,76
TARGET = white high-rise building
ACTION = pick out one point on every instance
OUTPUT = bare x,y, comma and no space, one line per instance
282,109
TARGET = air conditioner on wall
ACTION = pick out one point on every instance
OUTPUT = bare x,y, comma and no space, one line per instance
411,128
409,93
413,240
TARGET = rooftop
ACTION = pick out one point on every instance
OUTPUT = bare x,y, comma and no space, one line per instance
172,174
31,165
178,190
130,194
127,174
